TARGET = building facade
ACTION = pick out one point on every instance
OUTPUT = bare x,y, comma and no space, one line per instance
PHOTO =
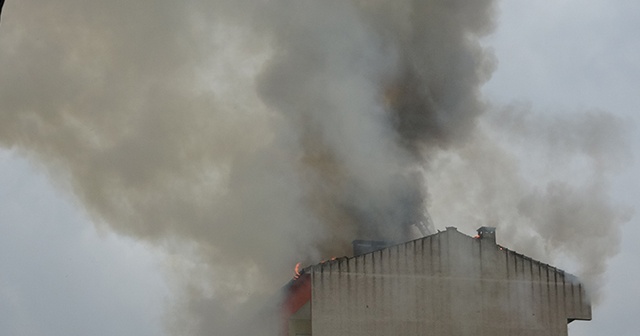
443,284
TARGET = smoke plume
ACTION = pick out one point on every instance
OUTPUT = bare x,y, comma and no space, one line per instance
544,180
244,136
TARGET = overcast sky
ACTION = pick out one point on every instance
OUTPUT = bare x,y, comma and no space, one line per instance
59,275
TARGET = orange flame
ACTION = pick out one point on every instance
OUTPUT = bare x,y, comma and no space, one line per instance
297,270
327,260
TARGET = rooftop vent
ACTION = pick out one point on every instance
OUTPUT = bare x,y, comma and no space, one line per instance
487,233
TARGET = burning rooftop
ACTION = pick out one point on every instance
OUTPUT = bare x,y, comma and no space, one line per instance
447,283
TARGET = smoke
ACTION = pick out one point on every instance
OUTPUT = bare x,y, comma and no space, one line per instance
244,136
544,180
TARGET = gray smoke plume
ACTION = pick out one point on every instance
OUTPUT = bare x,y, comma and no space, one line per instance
244,136
544,180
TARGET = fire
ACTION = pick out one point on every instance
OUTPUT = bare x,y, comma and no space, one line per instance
331,259
297,270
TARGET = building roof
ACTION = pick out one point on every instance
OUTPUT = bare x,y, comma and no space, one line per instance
498,260
333,261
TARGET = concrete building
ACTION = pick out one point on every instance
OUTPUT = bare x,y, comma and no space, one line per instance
447,283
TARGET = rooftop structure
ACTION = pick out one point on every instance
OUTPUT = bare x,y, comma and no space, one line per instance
447,283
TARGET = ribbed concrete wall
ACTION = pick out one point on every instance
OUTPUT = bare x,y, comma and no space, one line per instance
445,284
